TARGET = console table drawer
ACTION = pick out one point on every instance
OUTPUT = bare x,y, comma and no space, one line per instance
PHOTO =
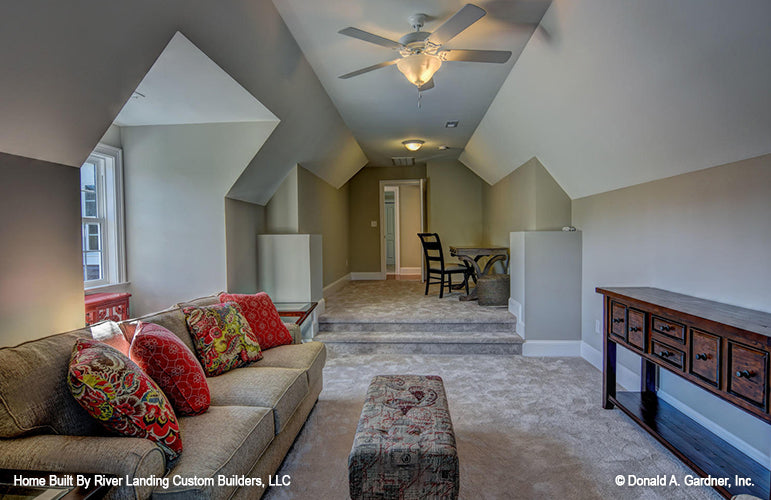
669,328
670,355
636,336
705,356
618,320
747,373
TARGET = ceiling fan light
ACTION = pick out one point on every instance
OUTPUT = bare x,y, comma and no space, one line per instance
419,68
413,144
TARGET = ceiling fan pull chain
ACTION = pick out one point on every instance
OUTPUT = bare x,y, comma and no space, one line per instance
420,95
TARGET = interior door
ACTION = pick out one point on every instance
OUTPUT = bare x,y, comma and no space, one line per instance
390,233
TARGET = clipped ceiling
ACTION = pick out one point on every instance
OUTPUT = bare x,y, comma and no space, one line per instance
184,86
381,107
622,93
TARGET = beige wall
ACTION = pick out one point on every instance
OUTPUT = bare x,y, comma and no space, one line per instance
176,178
243,222
528,199
364,196
281,212
455,204
706,233
323,210
410,251
41,270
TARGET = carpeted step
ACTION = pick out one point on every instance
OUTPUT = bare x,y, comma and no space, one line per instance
433,326
389,342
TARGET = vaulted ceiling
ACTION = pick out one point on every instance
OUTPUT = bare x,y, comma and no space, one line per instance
381,107
605,93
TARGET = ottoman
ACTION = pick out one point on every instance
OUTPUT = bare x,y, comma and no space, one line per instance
404,446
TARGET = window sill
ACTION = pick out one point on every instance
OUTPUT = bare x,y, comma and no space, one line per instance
112,287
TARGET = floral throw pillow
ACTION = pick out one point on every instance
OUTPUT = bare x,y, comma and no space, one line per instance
168,361
116,392
263,318
222,337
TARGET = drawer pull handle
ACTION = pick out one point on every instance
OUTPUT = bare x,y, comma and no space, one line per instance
744,374
634,329
666,328
618,320
665,354
703,356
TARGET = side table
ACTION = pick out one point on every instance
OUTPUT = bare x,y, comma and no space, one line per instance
299,313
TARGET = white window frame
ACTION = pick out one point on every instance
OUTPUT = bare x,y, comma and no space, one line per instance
109,179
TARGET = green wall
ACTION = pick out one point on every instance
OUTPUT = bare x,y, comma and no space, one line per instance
364,196
528,199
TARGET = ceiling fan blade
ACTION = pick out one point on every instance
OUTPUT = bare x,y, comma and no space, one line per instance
485,56
370,37
462,19
368,69
427,86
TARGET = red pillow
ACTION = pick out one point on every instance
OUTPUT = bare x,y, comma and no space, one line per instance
262,316
173,366
113,390
222,337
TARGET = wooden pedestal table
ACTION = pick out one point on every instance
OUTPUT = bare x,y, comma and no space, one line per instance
472,255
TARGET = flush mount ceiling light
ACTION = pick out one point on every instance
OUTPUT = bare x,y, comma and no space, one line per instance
413,144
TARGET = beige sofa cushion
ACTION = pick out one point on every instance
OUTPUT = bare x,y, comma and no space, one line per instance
226,440
281,389
121,456
34,397
309,357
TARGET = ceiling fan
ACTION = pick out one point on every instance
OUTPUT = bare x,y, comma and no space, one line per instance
421,52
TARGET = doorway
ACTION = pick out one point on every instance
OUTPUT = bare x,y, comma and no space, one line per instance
402,216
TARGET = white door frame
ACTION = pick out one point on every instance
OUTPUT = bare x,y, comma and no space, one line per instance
420,183
397,232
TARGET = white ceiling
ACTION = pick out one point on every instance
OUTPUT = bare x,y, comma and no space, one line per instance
380,107
184,86
622,93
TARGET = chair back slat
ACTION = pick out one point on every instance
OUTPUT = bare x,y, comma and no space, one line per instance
432,249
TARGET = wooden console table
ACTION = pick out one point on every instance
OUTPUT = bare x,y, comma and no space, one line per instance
721,348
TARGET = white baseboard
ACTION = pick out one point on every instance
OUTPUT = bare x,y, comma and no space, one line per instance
409,270
551,348
630,380
336,285
515,308
743,446
367,276
625,377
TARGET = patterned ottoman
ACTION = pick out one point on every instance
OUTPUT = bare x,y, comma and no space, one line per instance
404,446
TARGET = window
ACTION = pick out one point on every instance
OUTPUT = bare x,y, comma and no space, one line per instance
101,209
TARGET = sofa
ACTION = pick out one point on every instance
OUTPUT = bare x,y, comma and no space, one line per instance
255,415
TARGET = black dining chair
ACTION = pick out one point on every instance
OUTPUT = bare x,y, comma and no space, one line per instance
436,268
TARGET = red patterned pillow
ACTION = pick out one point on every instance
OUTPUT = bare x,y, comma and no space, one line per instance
222,337
262,317
122,397
173,366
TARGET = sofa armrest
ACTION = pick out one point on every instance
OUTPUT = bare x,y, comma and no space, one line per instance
296,332
121,456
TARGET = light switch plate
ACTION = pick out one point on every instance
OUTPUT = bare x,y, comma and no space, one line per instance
373,223
598,326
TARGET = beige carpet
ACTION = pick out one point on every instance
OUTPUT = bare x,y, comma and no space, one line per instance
405,302
528,428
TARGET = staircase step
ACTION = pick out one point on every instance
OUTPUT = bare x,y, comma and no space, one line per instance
339,343
339,326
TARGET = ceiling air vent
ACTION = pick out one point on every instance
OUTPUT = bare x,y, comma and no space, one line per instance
402,161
